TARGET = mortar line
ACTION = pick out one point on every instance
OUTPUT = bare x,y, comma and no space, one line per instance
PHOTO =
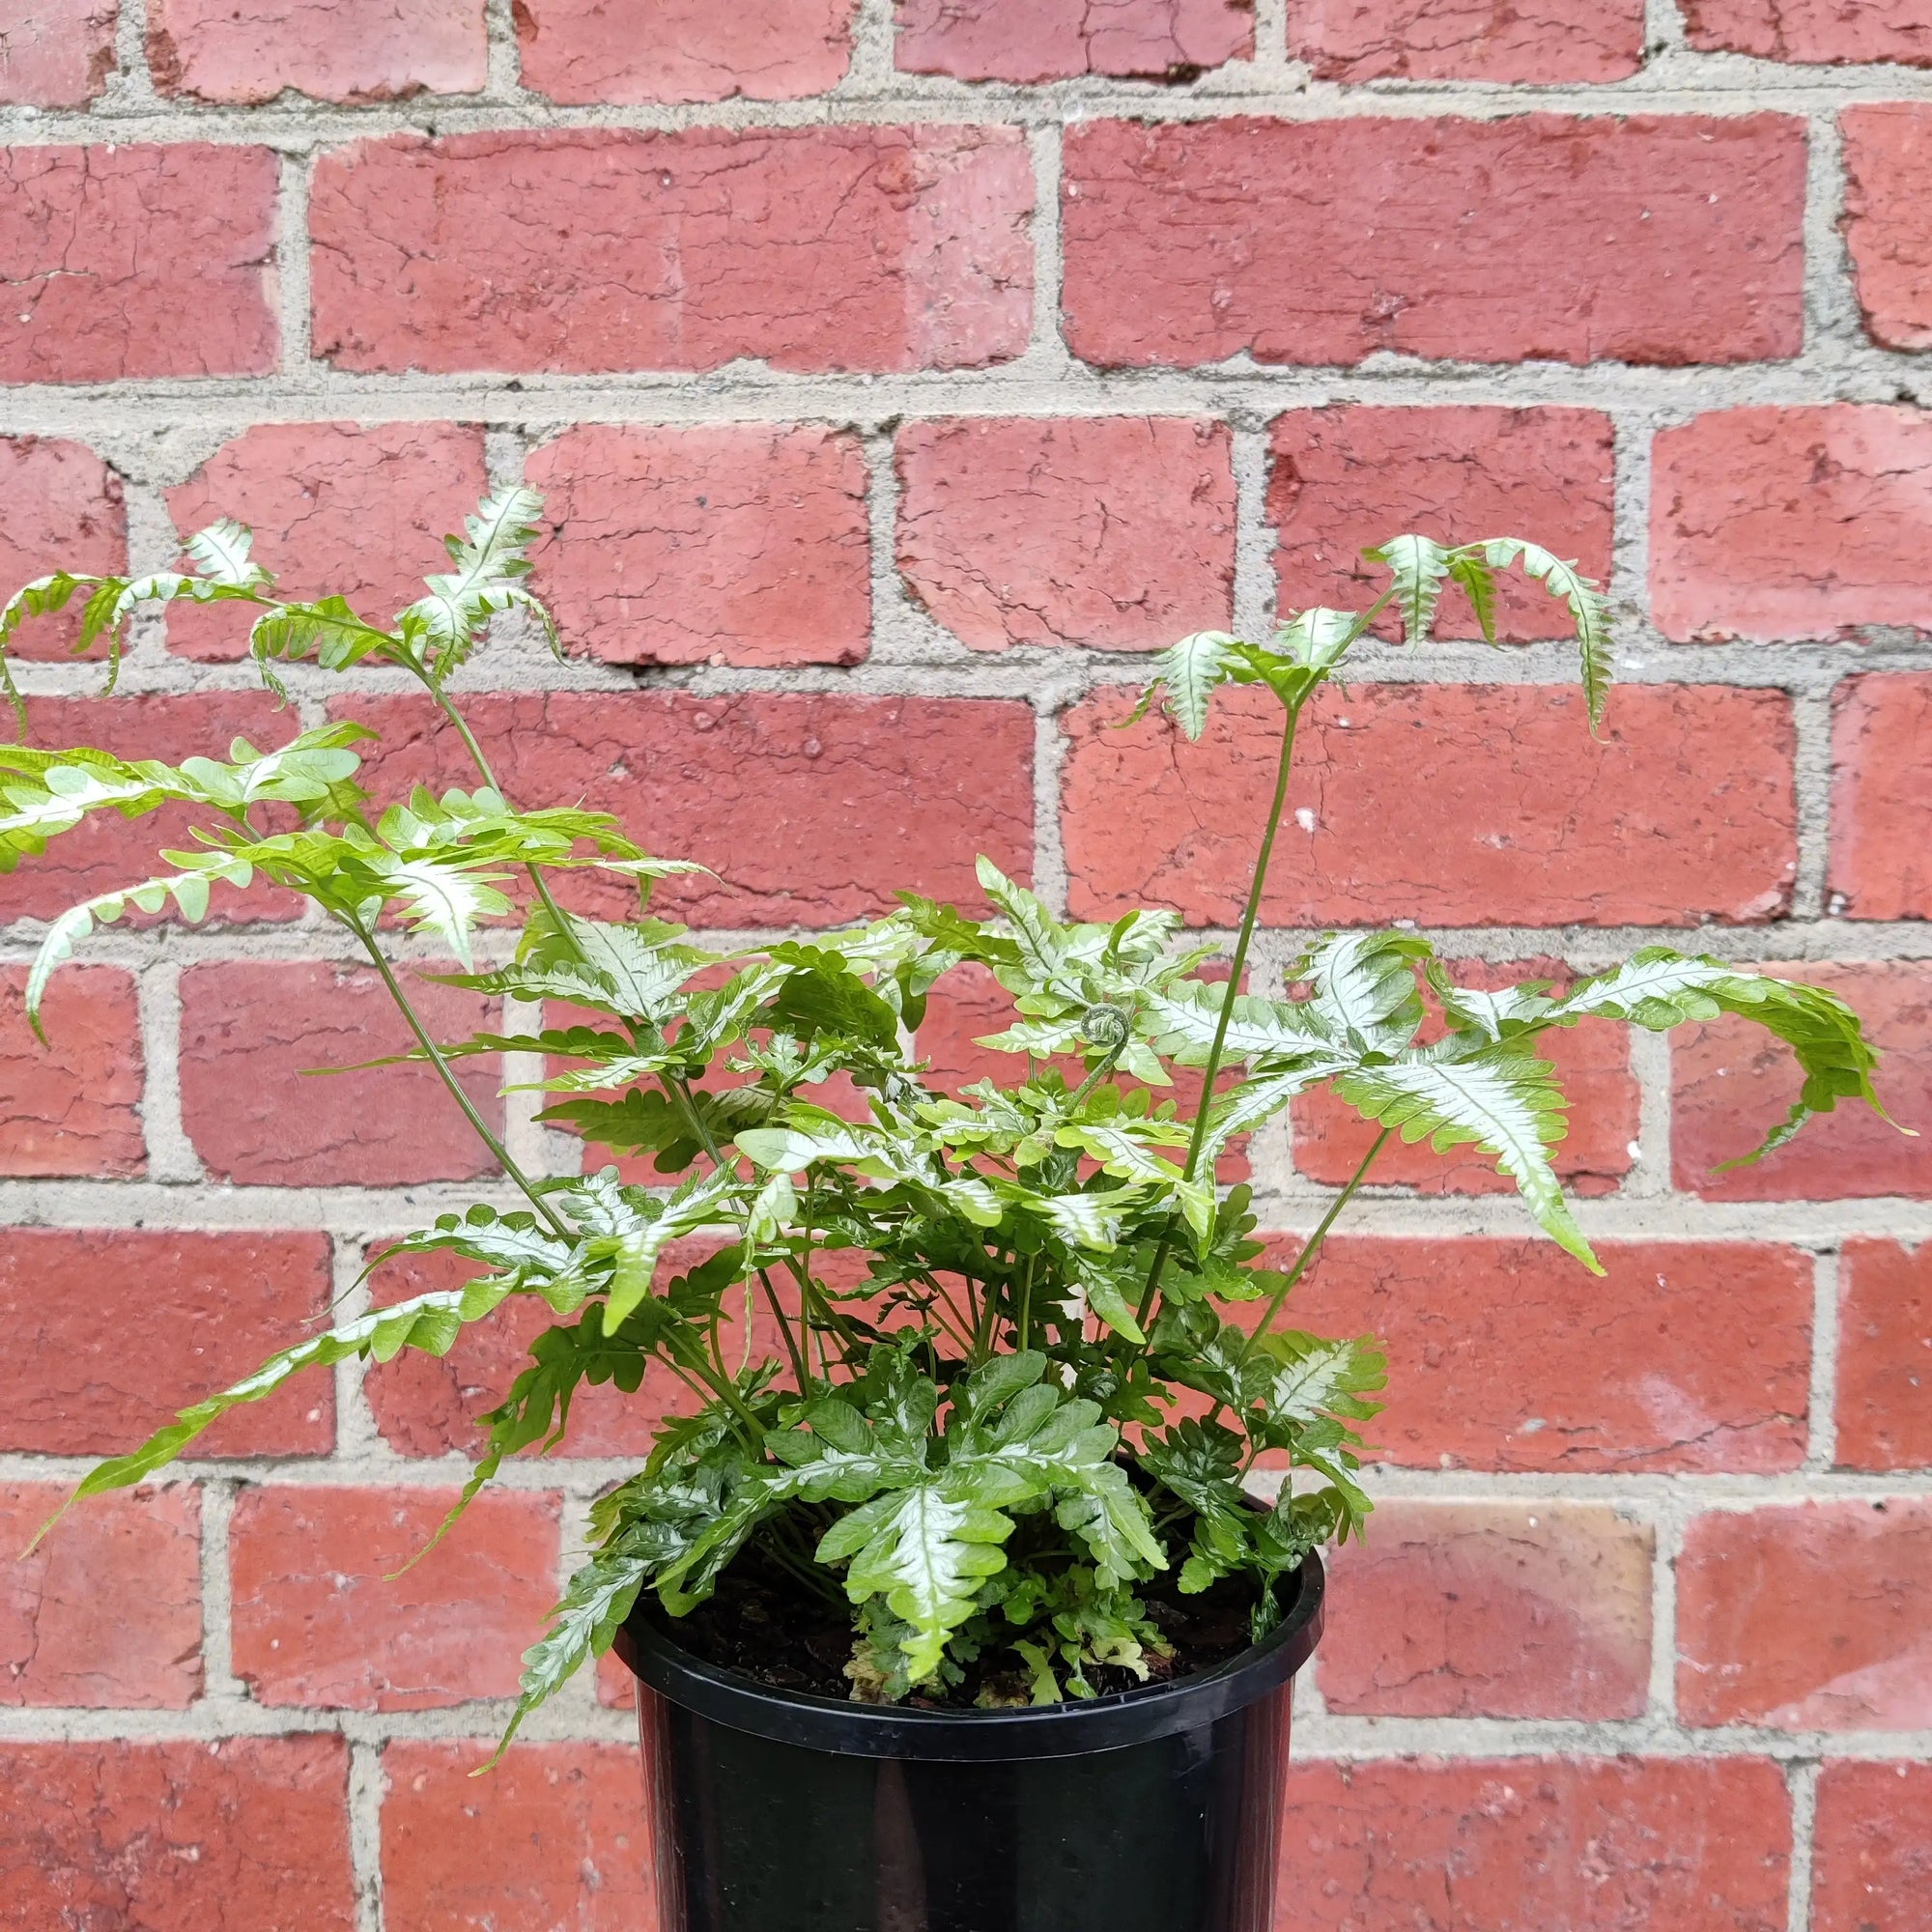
1801,1778
368,1785
1826,1273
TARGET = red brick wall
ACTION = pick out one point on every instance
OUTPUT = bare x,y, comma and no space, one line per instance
895,391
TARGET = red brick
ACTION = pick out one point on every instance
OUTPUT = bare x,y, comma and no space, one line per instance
555,1837
591,251
248,1035
1888,154
111,1332
106,852
1454,804
1731,1082
1113,532
1791,523
58,55
133,260
1592,1065
1058,40
589,50
60,510
107,1610
1885,1356
71,1107
1491,1610
350,51
1807,1616
427,1405
733,543
186,1837
318,1621
1348,477
338,508
1506,1355
1813,31
1327,242
812,810
1881,782
1351,41
1871,1865
1524,1845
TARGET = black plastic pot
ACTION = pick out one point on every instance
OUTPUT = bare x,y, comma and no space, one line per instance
1156,1810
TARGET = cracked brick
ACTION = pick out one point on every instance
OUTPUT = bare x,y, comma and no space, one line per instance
350,50
1813,31
1888,154
733,543
1545,43
73,1105
354,510
1807,1616
136,261
1323,241
1871,1864
57,53
580,51
1452,804
1346,477
258,1112
1060,39
1508,1354
1885,1356
872,248
237,1834
1881,866
1791,524
322,1619
106,1613
1112,532
114,1330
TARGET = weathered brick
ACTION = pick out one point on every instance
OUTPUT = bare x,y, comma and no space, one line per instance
1560,41
733,543
1491,1610
1731,1082
1114,532
320,1620
1058,40
1324,241
1885,1356
250,1034
1346,477
1507,1354
1888,155
1511,1844
555,1837
592,250
428,1405
1881,864
813,810
1790,522
350,51
73,1106
132,261
1871,1862
346,509
1593,1067
107,1610
57,53
61,508
590,50
111,1332
177,1837
106,851
1813,31
1807,1616
1455,805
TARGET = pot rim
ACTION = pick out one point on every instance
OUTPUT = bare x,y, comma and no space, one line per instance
1113,1722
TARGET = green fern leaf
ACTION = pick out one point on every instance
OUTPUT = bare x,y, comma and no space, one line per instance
1418,565
1589,612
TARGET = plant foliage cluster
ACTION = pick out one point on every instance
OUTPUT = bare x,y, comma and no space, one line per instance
1026,1351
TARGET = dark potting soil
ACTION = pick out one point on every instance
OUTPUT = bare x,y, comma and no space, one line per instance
761,1624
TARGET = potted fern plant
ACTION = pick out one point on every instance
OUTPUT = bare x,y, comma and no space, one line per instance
952,1608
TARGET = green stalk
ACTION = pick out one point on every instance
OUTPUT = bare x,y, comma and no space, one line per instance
436,1059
